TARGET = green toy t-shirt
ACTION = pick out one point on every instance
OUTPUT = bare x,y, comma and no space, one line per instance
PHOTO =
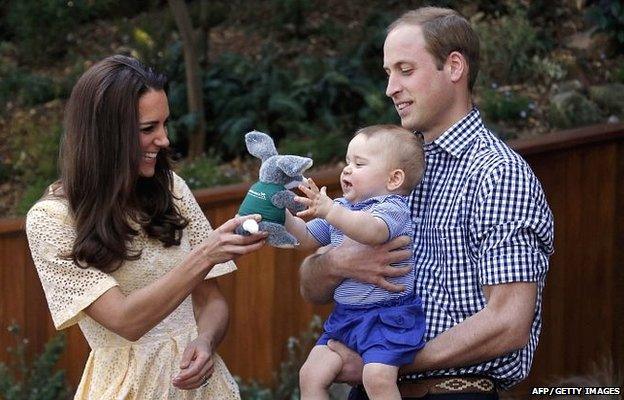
258,201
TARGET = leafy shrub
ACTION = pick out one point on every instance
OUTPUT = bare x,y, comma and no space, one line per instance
323,150
504,106
43,27
34,145
36,380
26,88
508,44
291,14
204,172
619,74
608,16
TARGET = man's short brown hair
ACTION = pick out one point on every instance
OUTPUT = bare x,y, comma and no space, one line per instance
445,31
402,149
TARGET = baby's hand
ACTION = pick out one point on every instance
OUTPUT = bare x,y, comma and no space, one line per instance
317,201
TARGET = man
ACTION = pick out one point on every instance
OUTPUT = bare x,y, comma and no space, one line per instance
483,229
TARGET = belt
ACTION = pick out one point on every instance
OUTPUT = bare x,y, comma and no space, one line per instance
446,385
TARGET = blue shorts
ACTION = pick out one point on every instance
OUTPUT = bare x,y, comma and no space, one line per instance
388,332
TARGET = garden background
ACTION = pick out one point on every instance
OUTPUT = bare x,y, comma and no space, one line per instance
309,73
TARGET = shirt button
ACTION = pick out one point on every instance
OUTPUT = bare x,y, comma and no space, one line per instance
400,320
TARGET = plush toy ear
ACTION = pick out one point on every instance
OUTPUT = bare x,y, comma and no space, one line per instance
260,145
293,165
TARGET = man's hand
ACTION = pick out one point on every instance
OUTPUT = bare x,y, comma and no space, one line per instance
322,272
352,364
317,201
371,264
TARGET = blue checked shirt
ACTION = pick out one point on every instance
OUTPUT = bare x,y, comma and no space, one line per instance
481,218
394,211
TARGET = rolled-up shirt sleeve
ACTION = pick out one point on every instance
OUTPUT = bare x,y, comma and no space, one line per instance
512,228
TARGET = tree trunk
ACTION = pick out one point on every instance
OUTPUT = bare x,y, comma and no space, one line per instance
195,98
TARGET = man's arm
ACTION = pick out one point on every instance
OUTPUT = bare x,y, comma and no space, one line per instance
323,271
501,327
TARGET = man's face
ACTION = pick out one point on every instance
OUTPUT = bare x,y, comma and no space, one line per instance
420,92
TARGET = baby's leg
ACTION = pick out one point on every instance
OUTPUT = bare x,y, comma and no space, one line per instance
318,373
380,381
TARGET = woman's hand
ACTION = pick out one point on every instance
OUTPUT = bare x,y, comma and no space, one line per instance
196,365
223,244
318,202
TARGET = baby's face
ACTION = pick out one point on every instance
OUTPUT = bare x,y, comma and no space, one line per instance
367,172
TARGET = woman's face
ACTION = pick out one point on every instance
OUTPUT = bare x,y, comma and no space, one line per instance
153,118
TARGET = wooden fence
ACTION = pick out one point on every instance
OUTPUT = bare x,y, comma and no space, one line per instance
582,172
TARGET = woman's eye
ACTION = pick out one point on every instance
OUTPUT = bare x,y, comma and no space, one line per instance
147,129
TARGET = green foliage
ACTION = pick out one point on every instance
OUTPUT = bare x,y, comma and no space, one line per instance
323,150
508,44
306,100
35,150
608,16
204,172
26,89
619,74
44,28
504,106
291,14
287,378
5,170
35,380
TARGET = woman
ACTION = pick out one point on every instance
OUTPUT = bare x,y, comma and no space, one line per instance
120,243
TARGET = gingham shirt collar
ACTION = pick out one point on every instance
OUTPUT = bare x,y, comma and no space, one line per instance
456,139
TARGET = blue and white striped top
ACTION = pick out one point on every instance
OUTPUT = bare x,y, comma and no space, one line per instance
394,211
481,218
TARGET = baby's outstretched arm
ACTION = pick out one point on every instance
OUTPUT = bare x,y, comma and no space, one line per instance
360,226
297,227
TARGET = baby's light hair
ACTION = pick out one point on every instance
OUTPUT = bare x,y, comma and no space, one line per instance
402,150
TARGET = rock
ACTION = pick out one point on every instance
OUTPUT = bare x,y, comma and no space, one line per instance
609,97
568,86
571,110
613,119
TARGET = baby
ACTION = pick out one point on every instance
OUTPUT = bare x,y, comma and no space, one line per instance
384,164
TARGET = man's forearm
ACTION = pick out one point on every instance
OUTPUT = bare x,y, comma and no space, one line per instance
317,282
500,328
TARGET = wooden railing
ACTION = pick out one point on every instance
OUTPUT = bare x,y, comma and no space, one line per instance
582,172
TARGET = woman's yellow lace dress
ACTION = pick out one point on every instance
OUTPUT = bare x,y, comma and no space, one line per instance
117,368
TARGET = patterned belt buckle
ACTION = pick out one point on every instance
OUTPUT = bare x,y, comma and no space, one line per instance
446,385
459,384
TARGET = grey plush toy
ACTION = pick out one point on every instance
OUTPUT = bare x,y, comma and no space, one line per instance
270,196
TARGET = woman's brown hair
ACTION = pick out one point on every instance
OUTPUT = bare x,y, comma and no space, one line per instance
99,162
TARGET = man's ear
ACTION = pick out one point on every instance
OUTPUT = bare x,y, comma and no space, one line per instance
395,180
457,65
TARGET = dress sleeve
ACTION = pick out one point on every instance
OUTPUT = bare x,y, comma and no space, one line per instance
68,288
198,228
512,226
